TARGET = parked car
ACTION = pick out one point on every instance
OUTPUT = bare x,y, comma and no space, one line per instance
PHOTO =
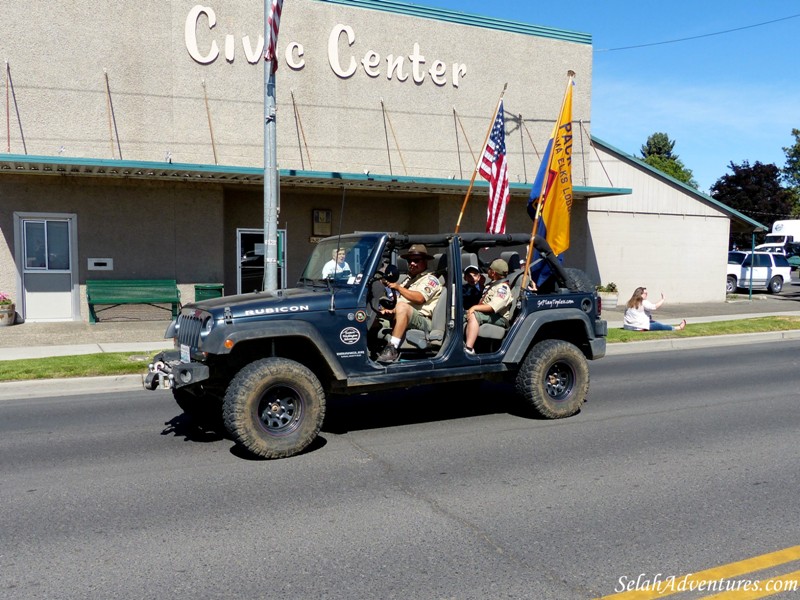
768,270
790,250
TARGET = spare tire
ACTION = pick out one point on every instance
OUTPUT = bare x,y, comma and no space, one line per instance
579,281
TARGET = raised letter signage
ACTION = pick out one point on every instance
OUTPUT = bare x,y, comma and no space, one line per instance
343,62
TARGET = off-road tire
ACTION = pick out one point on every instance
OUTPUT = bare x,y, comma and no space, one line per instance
775,285
554,379
730,284
274,407
579,281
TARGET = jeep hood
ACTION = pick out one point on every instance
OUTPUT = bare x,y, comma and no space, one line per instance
282,302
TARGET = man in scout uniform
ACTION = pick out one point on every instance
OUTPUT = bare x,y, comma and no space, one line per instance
418,295
494,307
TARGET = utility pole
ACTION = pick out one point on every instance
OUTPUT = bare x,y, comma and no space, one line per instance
270,165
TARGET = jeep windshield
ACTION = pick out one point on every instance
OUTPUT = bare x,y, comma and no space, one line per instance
338,261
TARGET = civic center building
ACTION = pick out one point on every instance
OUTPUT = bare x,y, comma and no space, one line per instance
133,145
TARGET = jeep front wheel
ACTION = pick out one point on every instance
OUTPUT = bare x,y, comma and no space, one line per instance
274,407
554,379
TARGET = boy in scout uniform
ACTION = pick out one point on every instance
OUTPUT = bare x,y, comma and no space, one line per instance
418,295
494,307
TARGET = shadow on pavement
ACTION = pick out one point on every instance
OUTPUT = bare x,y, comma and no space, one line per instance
422,404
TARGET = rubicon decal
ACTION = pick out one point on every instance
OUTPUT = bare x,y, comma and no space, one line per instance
275,310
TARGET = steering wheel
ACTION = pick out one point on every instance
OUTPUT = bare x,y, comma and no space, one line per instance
377,292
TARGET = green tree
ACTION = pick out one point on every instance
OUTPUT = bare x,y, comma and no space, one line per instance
658,153
659,144
755,191
791,171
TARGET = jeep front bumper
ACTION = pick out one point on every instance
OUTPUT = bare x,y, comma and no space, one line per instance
168,372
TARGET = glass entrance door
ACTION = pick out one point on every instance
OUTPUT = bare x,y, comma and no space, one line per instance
48,268
250,250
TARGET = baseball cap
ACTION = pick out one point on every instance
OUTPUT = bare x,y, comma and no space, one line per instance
499,266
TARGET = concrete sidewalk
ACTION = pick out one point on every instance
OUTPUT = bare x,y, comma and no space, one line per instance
37,340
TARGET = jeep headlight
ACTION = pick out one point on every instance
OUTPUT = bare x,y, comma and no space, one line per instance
208,325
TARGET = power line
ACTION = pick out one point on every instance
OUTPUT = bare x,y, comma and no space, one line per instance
695,37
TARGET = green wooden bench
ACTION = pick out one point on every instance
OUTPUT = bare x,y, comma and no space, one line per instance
114,292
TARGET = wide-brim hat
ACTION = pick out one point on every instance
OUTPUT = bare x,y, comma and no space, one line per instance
417,250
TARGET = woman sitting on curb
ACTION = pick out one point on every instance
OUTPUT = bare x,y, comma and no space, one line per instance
637,314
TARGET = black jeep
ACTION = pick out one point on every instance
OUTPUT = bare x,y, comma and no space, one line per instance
266,361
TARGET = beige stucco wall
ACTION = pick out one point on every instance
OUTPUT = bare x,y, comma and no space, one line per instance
58,52
151,230
661,236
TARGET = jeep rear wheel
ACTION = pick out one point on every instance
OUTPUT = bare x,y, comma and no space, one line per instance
554,379
274,407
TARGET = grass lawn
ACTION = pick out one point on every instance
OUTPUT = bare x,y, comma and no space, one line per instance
754,325
83,365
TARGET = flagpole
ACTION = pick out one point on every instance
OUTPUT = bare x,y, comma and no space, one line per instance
477,163
272,12
526,273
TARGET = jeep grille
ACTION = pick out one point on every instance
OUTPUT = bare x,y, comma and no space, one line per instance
189,330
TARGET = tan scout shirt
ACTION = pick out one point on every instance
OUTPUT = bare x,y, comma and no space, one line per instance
498,296
428,285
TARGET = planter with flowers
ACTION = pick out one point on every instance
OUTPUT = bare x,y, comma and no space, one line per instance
608,294
8,310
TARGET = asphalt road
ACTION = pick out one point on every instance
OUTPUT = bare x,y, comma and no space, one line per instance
679,462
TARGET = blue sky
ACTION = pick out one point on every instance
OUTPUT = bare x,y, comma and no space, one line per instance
721,98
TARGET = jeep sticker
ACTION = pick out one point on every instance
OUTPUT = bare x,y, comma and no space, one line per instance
276,310
361,316
349,335
554,302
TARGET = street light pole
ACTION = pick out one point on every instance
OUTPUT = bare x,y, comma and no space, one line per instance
270,167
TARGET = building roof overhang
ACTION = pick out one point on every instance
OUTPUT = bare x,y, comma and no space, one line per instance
254,176
739,222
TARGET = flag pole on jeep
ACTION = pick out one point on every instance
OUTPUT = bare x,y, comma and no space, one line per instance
272,21
550,201
478,163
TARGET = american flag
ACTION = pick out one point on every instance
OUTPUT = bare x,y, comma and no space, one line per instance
494,168
273,25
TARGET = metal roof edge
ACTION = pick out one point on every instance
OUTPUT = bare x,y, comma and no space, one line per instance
516,188
61,165
117,164
660,174
461,18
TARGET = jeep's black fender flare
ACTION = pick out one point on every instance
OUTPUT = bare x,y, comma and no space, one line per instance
243,332
523,338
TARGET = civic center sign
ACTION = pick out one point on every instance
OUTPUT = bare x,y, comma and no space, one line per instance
342,63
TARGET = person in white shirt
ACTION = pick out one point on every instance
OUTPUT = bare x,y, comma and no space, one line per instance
337,264
638,314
